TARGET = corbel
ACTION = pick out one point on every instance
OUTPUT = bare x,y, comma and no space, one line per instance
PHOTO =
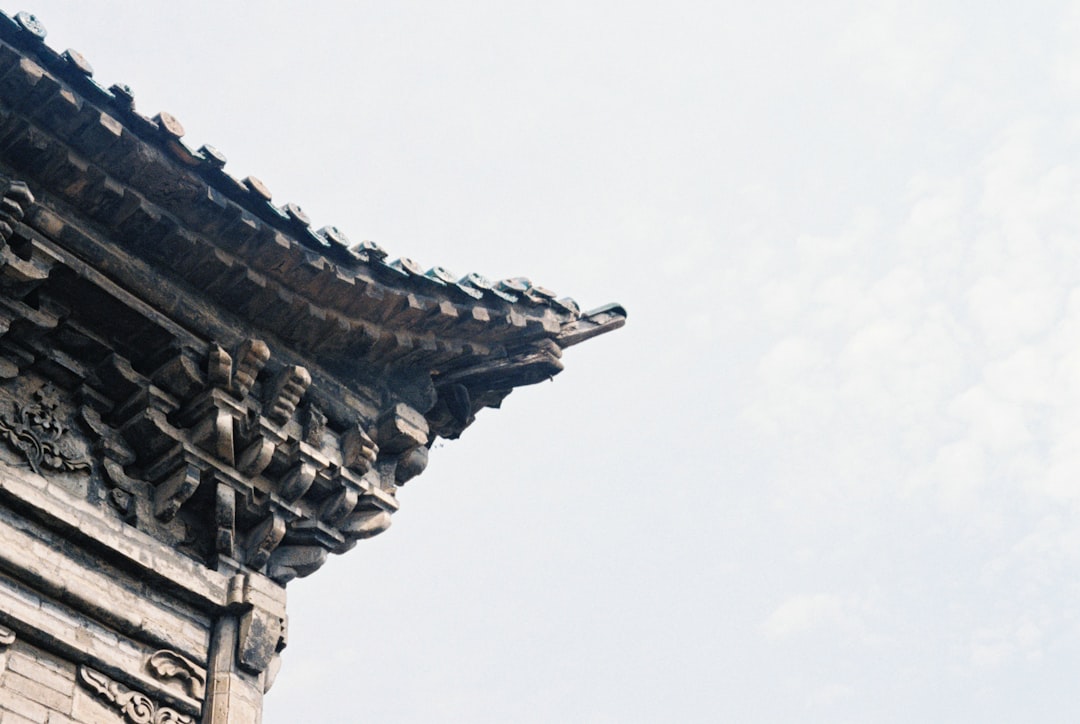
26,263
411,464
15,200
313,421
180,374
172,492
260,436
358,450
297,481
400,429
263,539
256,443
210,418
339,504
219,369
145,425
119,382
289,386
289,562
250,358
364,524
303,464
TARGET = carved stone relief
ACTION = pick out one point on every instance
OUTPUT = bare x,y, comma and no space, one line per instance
35,431
136,708
169,665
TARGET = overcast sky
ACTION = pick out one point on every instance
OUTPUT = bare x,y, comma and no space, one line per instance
829,471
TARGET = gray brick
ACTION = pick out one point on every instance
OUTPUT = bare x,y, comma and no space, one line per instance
22,706
37,670
32,690
10,717
13,718
103,594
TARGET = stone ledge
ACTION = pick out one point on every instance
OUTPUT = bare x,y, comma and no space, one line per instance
119,604
132,548
75,638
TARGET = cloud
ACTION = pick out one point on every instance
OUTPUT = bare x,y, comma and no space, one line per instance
994,647
898,46
806,612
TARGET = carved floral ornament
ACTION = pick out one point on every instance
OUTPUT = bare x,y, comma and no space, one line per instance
136,708
35,431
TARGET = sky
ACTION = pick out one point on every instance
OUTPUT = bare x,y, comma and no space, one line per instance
830,469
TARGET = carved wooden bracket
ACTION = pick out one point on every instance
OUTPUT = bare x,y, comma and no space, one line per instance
289,562
221,459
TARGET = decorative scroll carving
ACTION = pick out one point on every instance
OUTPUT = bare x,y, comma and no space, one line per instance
35,431
7,637
137,708
170,665
250,359
358,451
290,386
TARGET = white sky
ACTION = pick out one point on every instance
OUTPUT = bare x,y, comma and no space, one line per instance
830,471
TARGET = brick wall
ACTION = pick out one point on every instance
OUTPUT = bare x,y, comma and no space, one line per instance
38,687
88,633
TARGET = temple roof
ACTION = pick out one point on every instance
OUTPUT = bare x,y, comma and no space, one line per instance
348,308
